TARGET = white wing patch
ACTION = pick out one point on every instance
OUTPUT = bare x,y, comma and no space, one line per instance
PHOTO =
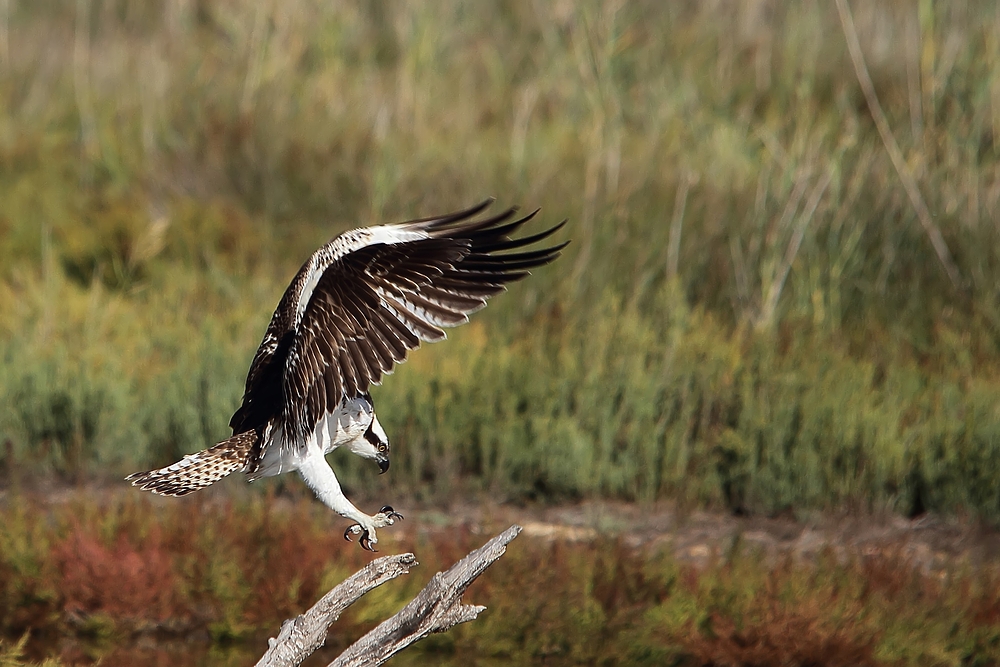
344,244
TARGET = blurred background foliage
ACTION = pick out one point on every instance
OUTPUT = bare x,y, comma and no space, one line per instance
750,316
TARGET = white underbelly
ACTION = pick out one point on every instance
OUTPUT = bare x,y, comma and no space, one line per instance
341,427
333,430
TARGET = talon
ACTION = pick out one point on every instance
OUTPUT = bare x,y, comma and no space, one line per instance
390,513
352,530
366,543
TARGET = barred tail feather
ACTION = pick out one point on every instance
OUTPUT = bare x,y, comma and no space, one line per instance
198,470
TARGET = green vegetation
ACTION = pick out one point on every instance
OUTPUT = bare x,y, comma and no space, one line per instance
750,315
129,569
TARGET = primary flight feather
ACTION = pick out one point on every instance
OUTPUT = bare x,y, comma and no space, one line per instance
353,311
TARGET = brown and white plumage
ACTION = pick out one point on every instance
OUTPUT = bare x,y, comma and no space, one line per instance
198,470
353,311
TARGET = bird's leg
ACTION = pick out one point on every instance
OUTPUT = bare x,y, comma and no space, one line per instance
323,481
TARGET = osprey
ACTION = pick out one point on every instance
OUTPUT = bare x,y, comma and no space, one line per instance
355,309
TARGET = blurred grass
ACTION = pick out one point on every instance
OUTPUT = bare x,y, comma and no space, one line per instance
750,315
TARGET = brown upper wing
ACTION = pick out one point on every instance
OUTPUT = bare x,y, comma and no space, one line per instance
374,304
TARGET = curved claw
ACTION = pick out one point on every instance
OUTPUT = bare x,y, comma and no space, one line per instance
390,513
365,540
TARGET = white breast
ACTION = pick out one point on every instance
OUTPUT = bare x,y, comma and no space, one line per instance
341,427
333,430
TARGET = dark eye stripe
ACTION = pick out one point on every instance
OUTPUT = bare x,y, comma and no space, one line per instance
370,435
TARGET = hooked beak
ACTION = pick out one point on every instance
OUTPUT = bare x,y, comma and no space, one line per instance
383,465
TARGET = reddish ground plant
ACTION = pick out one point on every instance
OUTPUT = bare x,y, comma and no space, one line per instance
125,581
779,634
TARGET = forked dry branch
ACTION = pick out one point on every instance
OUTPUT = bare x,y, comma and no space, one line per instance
437,608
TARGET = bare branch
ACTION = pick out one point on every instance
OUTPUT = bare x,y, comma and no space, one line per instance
436,608
301,636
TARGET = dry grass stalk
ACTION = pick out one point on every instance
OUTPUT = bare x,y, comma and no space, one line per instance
898,161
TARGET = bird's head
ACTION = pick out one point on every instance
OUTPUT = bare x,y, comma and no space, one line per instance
374,444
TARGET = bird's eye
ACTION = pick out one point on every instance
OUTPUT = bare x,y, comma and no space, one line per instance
382,448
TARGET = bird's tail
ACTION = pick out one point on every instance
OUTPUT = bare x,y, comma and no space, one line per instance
198,470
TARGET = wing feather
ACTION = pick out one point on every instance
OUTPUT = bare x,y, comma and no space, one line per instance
420,328
433,312
367,298
450,299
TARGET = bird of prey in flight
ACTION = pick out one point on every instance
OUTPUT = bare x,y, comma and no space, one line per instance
353,311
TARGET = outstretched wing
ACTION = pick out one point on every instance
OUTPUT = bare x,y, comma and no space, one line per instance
371,295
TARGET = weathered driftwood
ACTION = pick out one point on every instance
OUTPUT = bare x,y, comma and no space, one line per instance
301,636
436,608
